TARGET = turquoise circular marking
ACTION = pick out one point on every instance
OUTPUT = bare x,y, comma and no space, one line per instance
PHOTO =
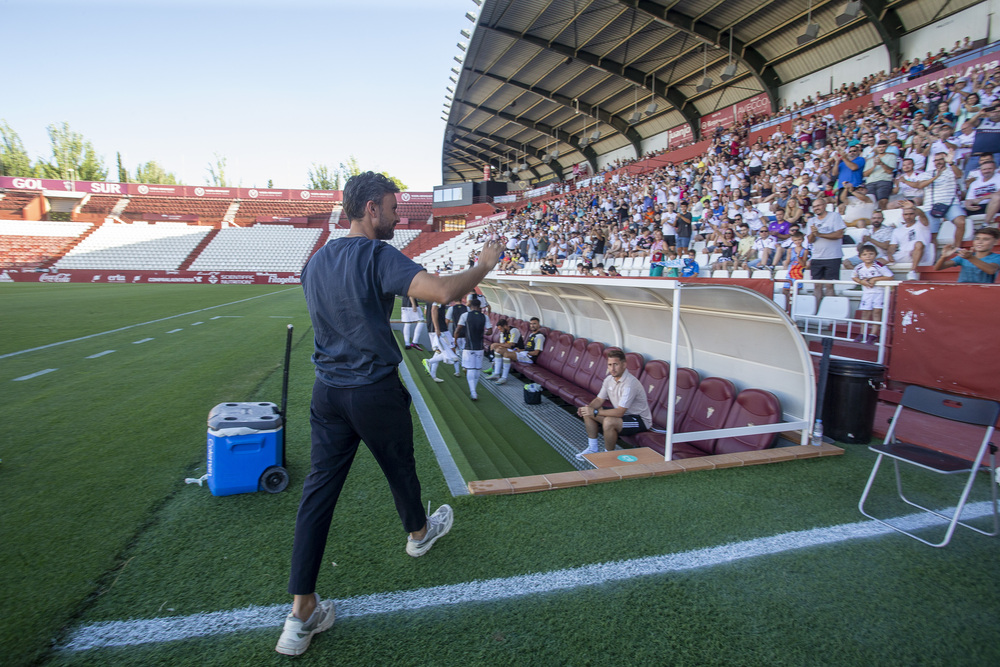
627,458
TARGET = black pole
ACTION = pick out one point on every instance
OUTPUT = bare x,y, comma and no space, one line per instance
824,368
284,391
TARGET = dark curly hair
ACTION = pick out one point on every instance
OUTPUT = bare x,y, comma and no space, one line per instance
364,188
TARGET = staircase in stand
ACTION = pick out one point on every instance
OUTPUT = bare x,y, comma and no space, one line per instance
427,240
186,264
320,242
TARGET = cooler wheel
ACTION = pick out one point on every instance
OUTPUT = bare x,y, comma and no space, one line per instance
274,479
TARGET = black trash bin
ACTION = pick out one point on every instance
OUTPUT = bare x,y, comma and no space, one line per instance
851,397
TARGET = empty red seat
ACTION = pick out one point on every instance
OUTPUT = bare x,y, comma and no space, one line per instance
753,407
687,384
574,358
708,411
580,393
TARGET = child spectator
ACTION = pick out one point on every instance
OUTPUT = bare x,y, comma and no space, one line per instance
866,274
978,265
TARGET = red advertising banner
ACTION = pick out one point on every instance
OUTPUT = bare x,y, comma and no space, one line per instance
415,197
255,193
723,117
295,219
180,217
318,195
159,190
758,104
153,277
681,134
209,191
988,62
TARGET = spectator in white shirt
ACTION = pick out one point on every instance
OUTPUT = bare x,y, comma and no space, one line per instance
912,243
983,195
941,189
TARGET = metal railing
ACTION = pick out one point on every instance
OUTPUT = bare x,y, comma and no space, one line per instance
839,327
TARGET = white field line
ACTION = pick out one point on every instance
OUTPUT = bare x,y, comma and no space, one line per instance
135,632
144,340
141,324
194,324
34,375
220,317
175,330
100,354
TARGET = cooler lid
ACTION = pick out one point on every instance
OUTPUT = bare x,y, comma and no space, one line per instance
259,416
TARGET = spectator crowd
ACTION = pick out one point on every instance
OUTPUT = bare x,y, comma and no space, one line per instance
785,199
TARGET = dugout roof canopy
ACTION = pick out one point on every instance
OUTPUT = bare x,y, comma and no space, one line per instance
722,331
552,83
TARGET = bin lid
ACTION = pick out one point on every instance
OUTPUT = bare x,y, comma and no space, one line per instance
261,416
859,369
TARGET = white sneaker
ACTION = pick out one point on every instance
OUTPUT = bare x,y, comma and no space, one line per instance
913,275
502,381
296,635
474,396
591,449
437,379
458,375
438,525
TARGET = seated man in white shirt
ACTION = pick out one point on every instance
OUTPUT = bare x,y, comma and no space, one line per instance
912,242
630,414
983,195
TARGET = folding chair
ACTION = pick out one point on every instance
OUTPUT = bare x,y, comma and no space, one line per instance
974,411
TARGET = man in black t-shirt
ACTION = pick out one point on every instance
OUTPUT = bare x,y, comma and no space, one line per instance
350,285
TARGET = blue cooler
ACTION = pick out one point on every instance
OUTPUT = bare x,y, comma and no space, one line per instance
245,447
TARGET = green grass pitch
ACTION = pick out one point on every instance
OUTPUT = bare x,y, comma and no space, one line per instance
96,523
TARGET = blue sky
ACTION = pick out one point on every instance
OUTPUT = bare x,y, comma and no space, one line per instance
271,86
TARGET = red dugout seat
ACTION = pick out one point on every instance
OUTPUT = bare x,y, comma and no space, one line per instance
753,407
708,411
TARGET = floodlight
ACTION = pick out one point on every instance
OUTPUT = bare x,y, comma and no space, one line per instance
595,136
456,72
457,59
812,31
635,118
461,46
466,33
851,12
651,109
729,72
705,84
472,17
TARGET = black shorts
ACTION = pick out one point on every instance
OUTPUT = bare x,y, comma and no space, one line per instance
825,269
632,425
671,241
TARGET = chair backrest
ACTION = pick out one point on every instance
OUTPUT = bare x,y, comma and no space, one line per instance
803,304
720,273
709,409
687,384
836,307
593,363
741,273
979,411
559,353
549,351
574,358
753,407
654,378
634,362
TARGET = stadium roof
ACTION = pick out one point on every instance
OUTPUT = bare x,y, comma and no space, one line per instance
552,83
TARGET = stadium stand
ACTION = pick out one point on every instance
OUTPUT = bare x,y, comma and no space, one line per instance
33,245
13,202
258,248
162,246
209,211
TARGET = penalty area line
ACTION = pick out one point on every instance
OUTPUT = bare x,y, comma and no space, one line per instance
155,630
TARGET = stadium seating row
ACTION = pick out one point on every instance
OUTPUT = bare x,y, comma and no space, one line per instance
573,369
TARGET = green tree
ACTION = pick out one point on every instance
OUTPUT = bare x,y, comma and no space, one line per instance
322,177
217,172
270,184
122,171
352,168
14,160
151,172
72,156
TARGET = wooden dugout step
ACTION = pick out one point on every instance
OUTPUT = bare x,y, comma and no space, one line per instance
643,467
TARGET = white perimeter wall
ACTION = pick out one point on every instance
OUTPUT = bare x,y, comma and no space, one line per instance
971,22
851,70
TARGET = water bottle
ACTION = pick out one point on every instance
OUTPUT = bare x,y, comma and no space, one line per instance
817,434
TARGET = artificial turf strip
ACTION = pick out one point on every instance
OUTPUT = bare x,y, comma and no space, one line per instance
495,442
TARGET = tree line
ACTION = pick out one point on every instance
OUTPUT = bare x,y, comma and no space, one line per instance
74,158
